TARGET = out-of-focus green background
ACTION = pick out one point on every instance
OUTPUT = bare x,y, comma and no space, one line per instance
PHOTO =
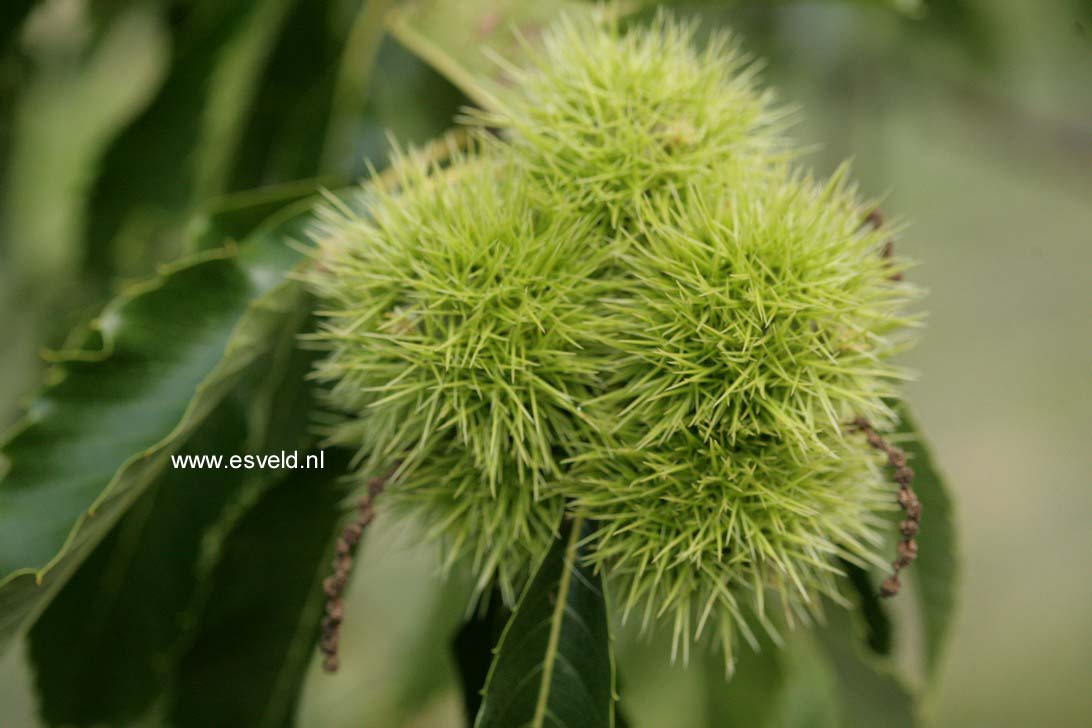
978,121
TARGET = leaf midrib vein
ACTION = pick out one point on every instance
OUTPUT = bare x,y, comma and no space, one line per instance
556,623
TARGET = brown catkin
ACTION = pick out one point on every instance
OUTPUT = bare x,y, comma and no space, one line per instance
334,585
907,550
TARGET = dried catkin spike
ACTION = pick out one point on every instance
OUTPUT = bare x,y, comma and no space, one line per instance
907,550
333,586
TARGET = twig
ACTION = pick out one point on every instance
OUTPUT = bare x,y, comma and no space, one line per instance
333,586
907,549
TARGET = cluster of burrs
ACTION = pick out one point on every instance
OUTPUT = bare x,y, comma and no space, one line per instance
625,301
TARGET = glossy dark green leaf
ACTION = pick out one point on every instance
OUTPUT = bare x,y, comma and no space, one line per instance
96,437
936,570
554,665
106,660
473,647
104,649
257,632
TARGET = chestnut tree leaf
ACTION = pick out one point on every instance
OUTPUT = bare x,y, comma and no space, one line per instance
554,665
867,689
935,572
256,634
95,438
103,649
472,647
871,609
144,190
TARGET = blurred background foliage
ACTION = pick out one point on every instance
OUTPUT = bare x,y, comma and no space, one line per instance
130,129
